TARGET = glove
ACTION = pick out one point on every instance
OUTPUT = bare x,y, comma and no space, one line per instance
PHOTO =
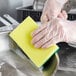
52,9
59,30
63,15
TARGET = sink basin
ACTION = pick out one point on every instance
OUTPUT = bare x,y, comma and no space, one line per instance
12,54
67,55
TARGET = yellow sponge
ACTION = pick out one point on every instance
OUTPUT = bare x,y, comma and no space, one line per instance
22,36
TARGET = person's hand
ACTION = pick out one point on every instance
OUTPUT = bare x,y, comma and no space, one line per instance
52,9
63,15
43,30
48,34
59,30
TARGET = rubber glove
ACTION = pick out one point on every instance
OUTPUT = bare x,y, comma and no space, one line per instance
59,30
52,9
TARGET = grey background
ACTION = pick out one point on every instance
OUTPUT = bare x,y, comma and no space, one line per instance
9,6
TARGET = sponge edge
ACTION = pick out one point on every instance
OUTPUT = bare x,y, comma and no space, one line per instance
22,36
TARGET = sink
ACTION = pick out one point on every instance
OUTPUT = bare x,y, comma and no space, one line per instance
67,56
12,57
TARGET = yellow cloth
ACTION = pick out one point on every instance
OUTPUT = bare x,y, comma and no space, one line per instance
22,36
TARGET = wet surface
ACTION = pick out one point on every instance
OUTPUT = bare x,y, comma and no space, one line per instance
12,65
67,56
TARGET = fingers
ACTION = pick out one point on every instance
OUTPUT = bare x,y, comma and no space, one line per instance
60,16
44,36
50,43
63,15
41,42
39,36
41,28
46,43
54,40
47,16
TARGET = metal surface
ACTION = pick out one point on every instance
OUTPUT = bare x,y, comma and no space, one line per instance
9,7
14,63
4,22
12,20
67,56
10,23
65,73
38,4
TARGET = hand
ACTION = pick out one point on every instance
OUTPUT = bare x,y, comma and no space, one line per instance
42,30
59,30
52,9
63,15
